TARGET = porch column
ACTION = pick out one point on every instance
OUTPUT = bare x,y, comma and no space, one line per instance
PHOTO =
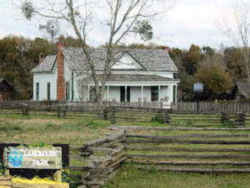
126,94
159,93
88,92
176,94
142,94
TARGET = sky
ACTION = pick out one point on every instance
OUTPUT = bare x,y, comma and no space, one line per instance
187,22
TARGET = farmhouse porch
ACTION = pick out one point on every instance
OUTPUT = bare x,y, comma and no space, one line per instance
137,89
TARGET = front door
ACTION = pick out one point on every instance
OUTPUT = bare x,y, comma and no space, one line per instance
125,94
122,91
128,94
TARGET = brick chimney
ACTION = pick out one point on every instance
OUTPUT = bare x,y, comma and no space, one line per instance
60,72
167,49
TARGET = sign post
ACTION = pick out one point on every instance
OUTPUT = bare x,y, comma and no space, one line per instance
49,158
198,88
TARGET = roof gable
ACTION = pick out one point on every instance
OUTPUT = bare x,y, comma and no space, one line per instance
126,62
46,65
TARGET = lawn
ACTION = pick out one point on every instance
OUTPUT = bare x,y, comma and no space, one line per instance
130,177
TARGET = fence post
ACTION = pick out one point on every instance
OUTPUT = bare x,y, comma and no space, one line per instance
25,109
105,114
224,117
113,119
58,110
240,120
65,111
61,111
167,118
161,105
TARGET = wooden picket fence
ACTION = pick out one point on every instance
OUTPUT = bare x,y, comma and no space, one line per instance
114,113
211,107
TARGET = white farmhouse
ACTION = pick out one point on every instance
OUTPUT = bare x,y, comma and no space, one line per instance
137,75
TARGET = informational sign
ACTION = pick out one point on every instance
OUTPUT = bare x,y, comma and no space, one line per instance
198,87
33,158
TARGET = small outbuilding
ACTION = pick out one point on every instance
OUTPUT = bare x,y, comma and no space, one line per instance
6,90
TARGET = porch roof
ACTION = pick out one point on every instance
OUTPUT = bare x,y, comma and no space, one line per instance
132,78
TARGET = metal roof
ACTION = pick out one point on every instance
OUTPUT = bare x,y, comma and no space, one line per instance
150,59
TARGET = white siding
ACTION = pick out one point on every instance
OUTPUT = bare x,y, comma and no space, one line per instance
43,79
164,93
147,94
115,94
135,94
68,78
170,93
126,62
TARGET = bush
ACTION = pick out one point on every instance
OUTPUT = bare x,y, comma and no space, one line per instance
1,169
228,123
158,118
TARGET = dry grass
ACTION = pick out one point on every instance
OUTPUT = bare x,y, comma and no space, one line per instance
49,130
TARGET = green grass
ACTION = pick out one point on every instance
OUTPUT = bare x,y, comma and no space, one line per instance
130,177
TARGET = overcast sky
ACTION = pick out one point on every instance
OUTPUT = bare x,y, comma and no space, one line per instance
189,22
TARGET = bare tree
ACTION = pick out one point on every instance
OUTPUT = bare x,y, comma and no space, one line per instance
236,26
120,17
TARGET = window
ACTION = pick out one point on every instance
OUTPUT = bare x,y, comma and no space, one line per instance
37,91
176,76
125,94
154,93
67,91
48,91
128,94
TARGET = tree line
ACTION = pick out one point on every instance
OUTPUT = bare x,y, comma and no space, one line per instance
218,70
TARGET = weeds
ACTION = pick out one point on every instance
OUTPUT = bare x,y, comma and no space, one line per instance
228,123
158,118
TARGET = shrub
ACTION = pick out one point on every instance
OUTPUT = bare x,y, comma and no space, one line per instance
158,118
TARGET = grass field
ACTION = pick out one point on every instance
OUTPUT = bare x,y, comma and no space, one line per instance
50,129
77,130
133,178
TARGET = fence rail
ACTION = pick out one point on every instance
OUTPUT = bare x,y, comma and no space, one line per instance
104,157
113,113
195,152
211,107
